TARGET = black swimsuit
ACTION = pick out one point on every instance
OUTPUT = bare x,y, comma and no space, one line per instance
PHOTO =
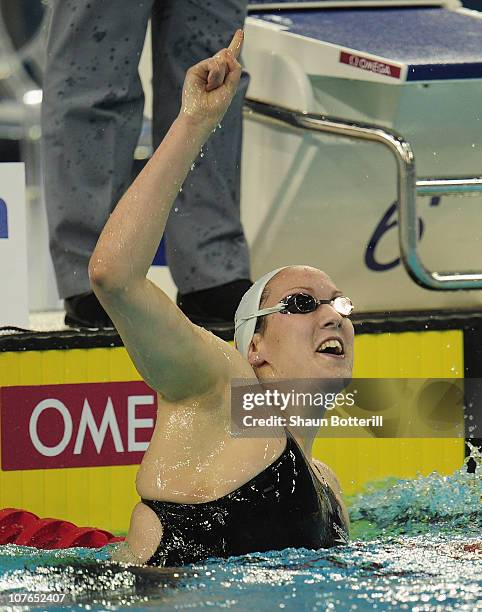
284,506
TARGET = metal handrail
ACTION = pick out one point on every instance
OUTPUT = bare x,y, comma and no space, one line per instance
254,6
449,186
407,185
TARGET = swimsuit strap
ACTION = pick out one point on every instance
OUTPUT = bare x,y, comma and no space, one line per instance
283,506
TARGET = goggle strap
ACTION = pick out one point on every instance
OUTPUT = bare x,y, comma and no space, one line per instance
281,306
262,312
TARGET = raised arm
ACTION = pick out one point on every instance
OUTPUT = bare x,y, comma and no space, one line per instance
174,356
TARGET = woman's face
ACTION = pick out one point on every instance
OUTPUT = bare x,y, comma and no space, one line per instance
290,345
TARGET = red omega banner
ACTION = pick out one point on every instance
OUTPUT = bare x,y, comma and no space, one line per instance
365,63
80,425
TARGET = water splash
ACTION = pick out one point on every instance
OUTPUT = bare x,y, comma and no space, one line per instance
430,504
421,550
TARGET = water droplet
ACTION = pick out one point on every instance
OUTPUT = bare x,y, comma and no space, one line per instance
98,36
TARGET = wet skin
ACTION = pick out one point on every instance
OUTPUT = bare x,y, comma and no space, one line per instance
192,457
288,347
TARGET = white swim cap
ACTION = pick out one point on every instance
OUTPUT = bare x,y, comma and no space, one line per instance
243,326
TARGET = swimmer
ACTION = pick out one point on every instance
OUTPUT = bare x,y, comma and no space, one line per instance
203,492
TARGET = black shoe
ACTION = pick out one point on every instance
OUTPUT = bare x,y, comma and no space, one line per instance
85,310
214,308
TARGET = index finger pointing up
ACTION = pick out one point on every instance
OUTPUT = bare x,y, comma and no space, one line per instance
236,44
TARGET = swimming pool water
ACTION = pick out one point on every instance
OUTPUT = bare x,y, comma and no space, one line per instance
416,545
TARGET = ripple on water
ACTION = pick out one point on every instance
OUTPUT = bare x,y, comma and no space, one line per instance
418,548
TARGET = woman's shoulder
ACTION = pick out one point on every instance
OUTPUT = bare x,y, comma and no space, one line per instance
328,477
237,366
326,474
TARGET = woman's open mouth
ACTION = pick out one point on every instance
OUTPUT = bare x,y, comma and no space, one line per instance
332,347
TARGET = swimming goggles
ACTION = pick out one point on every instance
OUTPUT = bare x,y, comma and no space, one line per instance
303,303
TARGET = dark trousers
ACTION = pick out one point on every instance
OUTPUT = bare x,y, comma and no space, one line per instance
91,119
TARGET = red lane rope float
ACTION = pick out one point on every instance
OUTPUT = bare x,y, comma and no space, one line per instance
26,529
13,522
85,537
45,533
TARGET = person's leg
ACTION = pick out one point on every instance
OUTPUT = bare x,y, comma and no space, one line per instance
91,117
205,245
